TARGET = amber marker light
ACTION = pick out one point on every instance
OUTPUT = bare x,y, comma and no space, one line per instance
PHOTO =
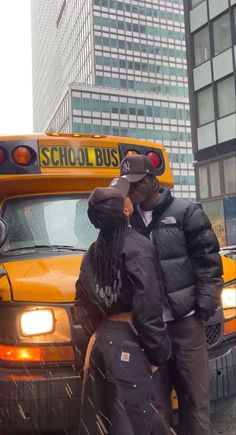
22,156
36,354
230,327
131,153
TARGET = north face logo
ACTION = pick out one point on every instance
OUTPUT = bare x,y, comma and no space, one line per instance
169,220
126,166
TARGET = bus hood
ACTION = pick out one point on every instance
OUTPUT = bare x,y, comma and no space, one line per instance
49,279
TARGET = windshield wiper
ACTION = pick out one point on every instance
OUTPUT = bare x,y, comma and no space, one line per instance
69,247
52,247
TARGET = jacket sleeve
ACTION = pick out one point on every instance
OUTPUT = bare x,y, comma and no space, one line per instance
147,310
203,248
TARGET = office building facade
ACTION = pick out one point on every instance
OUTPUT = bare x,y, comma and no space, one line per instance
211,54
115,67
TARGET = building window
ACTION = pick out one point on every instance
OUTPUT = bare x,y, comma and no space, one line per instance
235,24
201,46
222,33
203,182
214,179
196,2
226,96
205,105
230,174
230,219
215,212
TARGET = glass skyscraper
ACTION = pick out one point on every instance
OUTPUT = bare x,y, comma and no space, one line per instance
115,67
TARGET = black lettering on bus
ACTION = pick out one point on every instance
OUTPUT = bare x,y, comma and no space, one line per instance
72,157
88,163
55,162
98,156
63,156
80,157
106,157
44,151
114,161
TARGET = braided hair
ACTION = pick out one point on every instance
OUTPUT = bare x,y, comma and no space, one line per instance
108,262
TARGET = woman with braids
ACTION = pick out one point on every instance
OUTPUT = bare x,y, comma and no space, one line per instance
118,301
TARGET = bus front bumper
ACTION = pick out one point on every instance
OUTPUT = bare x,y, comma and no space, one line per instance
39,400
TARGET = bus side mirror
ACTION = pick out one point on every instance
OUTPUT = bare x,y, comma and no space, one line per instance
3,232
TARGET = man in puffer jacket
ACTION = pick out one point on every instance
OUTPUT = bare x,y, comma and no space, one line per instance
191,270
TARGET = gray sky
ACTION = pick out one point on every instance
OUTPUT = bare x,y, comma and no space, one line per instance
15,67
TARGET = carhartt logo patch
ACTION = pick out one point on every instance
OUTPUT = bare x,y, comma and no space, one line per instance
169,220
125,356
126,166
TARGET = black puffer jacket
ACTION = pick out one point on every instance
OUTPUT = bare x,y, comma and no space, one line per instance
140,292
189,255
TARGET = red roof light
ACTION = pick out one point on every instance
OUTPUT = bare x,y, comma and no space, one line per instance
155,158
2,156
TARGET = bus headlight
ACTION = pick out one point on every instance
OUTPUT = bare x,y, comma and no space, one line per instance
37,322
229,297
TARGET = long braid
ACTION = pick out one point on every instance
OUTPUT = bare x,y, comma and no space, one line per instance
107,253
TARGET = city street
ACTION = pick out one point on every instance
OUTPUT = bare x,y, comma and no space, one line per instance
224,422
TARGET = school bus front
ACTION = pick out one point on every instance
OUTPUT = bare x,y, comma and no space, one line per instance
45,182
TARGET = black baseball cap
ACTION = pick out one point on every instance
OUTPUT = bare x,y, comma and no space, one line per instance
135,167
106,204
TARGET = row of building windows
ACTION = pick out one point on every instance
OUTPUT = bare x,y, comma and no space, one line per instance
217,178
136,85
142,133
225,104
139,9
140,47
140,66
184,179
180,158
222,38
138,28
124,108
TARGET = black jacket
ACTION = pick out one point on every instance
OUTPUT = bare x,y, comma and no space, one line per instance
188,250
140,293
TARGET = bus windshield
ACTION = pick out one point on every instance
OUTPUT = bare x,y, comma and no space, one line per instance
48,222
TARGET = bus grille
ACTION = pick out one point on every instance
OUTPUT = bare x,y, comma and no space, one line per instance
213,333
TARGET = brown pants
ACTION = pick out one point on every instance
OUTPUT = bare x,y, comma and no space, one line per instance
119,395
188,373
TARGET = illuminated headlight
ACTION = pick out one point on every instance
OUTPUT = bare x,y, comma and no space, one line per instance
37,322
229,297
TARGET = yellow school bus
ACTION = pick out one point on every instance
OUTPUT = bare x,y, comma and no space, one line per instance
45,181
